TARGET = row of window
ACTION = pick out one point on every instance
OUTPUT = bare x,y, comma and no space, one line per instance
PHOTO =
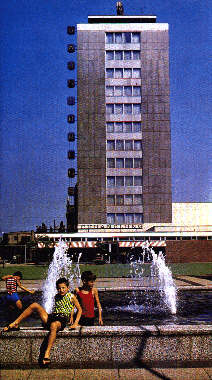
120,109
119,55
124,145
127,199
123,38
126,127
135,163
124,218
123,73
120,181
123,91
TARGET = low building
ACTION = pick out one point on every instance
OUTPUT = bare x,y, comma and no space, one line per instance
187,239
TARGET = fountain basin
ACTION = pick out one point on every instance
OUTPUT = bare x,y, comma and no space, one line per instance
112,347
193,307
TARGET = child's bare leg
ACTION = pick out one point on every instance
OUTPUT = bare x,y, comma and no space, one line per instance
54,328
19,304
27,312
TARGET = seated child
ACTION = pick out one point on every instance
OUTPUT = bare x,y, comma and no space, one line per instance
86,296
64,304
12,282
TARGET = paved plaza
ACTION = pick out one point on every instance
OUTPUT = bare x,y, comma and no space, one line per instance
109,374
181,282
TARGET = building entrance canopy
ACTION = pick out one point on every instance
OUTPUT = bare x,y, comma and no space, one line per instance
95,244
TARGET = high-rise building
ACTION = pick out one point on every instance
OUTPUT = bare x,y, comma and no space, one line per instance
123,120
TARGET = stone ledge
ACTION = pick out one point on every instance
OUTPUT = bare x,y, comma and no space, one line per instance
110,346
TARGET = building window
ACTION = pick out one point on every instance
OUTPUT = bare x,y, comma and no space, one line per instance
118,128
136,91
136,73
111,218
137,145
128,181
119,144
119,181
118,73
135,38
119,163
127,73
127,90
128,144
109,38
118,38
120,218
136,55
128,199
138,218
109,55
129,218
119,109
118,55
128,163
119,200
137,181
110,127
110,181
138,163
127,109
110,162
128,127
137,199
110,108
111,200
118,91
136,109
109,91
109,73
127,55
127,37
110,144
137,127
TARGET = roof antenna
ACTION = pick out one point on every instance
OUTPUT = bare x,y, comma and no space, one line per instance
119,8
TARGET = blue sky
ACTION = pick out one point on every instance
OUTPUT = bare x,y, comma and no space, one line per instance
33,92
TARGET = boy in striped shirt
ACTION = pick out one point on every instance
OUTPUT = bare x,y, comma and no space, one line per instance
12,282
65,302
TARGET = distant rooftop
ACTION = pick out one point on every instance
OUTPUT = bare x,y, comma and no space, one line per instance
121,19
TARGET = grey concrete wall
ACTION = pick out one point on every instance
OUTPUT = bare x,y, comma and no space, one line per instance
157,198
111,346
91,127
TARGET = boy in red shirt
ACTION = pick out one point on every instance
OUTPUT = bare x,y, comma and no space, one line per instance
86,295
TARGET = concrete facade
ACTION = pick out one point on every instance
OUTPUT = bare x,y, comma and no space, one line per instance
124,155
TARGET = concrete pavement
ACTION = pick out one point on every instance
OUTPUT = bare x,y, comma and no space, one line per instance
108,374
121,283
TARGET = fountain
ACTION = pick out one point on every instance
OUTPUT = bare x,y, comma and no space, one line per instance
127,341
61,266
160,279
166,283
